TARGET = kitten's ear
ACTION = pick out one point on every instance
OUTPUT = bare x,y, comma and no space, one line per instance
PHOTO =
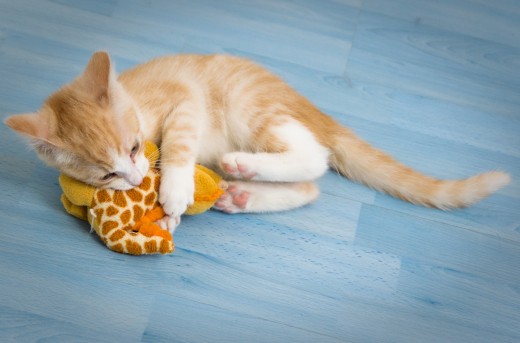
38,128
98,75
32,125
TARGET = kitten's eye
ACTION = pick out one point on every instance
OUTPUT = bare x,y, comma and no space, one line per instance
134,150
109,176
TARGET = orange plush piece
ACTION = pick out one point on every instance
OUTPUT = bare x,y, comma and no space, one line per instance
147,226
125,220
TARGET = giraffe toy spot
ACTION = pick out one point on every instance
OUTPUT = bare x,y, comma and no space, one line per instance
120,199
134,195
138,213
112,211
103,196
118,248
98,213
125,217
146,184
133,248
108,226
150,247
117,235
150,199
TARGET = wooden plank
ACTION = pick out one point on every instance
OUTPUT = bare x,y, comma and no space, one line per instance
435,84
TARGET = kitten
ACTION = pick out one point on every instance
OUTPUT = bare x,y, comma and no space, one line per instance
229,114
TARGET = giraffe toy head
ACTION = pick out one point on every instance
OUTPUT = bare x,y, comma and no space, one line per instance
125,220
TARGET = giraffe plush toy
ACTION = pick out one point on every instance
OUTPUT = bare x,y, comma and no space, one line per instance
125,220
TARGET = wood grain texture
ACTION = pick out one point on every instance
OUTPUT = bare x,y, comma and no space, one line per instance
435,83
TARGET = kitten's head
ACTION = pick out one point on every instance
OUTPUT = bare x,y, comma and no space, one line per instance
89,129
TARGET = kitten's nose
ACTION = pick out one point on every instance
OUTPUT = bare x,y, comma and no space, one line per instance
135,179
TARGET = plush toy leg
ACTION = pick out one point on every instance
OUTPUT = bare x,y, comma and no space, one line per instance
75,210
147,226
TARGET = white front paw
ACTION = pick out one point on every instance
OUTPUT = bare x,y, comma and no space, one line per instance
176,192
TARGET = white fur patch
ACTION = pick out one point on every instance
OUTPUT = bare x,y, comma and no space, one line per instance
176,191
306,159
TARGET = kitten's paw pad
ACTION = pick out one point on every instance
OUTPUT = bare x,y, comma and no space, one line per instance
238,171
238,166
239,198
169,223
233,201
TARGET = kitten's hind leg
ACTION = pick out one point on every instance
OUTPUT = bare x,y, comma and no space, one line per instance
297,156
249,197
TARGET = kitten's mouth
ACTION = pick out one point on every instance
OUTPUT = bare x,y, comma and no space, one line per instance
126,184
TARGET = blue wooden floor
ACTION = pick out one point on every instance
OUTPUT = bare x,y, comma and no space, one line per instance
435,83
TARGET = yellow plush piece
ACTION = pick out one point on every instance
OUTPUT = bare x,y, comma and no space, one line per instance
125,220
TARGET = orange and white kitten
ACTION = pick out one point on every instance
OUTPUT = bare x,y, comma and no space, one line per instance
224,112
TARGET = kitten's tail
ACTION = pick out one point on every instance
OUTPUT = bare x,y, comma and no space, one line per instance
359,161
